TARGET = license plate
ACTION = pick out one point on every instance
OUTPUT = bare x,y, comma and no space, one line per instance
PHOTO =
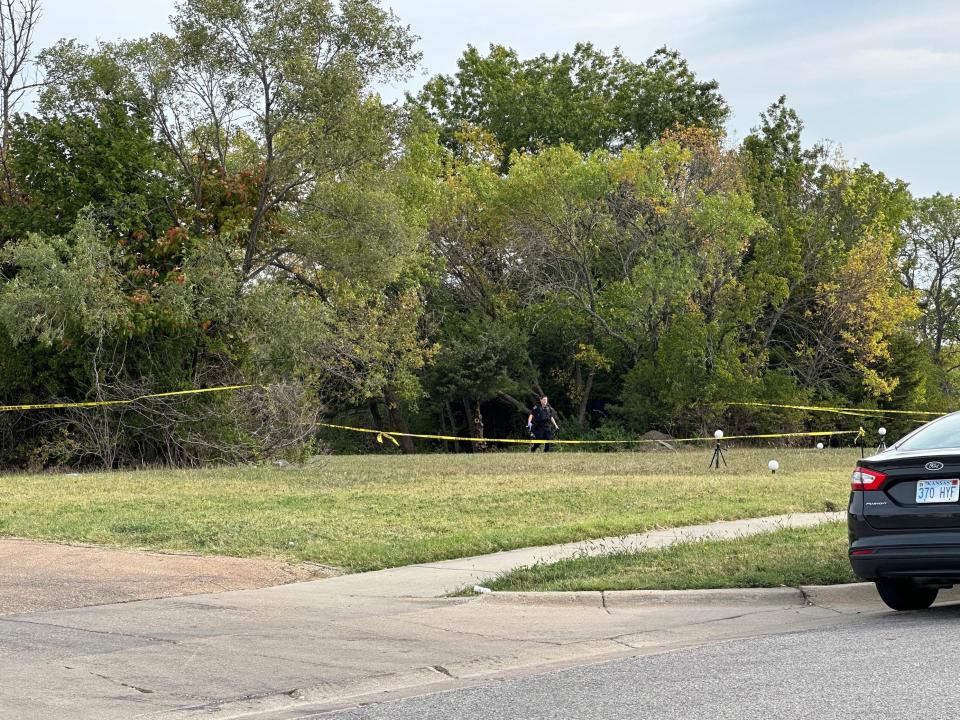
938,491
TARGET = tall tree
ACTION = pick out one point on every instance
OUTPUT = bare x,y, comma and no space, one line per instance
819,273
90,142
473,304
585,98
286,238
282,86
931,266
614,262
18,22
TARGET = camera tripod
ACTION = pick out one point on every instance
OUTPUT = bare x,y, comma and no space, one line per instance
717,457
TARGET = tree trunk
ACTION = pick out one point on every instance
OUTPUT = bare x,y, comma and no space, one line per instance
443,429
398,421
375,413
478,425
453,426
474,428
585,398
514,403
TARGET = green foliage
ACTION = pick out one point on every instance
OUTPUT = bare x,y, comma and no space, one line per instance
259,212
66,289
233,201
585,98
110,162
822,278
931,266
478,357
91,144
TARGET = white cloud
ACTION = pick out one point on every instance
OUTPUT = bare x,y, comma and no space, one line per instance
912,41
912,136
904,60
677,17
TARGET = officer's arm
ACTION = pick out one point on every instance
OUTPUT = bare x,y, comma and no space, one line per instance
530,419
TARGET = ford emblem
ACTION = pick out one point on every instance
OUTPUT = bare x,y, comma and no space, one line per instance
934,465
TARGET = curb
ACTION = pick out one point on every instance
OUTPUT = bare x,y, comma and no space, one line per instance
776,597
752,597
544,599
851,594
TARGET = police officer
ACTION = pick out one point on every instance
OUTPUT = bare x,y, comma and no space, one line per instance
541,423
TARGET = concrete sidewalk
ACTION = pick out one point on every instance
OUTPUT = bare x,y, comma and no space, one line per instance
448,576
283,651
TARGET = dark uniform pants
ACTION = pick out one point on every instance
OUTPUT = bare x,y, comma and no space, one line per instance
544,432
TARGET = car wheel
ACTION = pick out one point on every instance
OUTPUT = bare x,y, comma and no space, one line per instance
906,594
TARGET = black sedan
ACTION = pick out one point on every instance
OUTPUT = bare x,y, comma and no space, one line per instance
904,517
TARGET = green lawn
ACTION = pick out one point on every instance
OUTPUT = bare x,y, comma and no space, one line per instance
795,556
367,512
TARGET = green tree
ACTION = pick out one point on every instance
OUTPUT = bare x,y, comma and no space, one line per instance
105,157
585,98
931,266
473,307
296,203
820,274
281,88
622,251
18,23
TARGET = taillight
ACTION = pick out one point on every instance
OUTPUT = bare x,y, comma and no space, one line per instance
866,479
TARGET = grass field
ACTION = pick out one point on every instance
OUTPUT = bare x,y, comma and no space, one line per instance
367,512
794,556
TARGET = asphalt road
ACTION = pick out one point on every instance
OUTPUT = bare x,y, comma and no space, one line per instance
891,666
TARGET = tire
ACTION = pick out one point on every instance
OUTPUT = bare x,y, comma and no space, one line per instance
906,594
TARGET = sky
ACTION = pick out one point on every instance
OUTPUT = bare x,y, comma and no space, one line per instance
878,79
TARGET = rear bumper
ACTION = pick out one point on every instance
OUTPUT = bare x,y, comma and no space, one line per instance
926,554
939,562
932,553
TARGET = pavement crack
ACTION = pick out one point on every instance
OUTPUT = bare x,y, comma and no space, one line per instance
482,635
443,671
603,602
145,691
88,630
813,603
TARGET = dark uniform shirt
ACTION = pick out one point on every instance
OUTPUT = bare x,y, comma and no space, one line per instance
542,415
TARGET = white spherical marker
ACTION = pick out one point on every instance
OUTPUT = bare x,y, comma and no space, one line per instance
774,466
718,434
819,446
882,431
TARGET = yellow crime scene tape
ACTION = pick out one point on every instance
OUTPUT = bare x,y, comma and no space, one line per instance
381,435
392,437
858,412
107,403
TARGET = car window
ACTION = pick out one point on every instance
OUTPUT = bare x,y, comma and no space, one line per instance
942,433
